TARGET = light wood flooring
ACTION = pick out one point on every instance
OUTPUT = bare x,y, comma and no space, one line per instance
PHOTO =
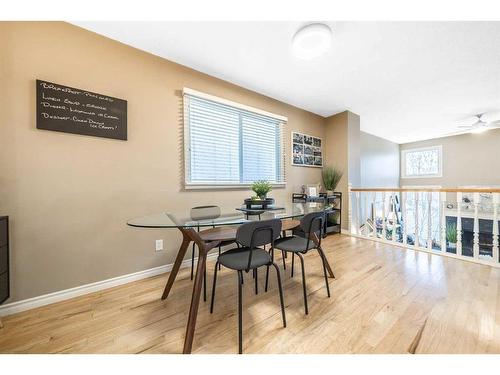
384,300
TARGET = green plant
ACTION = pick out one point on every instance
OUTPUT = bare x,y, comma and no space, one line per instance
331,177
451,233
261,188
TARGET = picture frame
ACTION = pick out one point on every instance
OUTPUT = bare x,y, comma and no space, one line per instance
307,150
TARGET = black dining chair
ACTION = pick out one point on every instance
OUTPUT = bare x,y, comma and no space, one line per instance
308,238
250,257
200,213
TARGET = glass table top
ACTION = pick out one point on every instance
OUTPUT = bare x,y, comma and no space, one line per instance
229,216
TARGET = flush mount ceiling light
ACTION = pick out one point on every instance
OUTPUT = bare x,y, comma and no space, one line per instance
312,41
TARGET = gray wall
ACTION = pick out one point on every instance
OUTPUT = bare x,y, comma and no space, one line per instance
379,161
468,159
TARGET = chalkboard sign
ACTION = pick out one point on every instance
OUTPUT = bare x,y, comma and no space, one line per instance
70,110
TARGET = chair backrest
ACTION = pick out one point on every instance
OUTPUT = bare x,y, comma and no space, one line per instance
313,224
205,212
258,233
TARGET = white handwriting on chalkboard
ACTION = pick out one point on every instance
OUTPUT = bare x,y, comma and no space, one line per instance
86,93
109,116
49,105
71,109
55,117
63,89
67,101
95,106
50,98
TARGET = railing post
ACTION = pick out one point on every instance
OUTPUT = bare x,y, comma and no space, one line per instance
349,210
394,219
475,247
403,209
367,215
459,223
417,228
384,224
358,213
443,221
495,227
429,220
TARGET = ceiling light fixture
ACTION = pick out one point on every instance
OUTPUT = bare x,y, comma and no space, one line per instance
312,41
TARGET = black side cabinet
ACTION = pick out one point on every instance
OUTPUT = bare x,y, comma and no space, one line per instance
4,258
333,222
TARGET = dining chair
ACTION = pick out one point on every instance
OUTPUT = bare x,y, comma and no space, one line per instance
311,226
205,213
250,256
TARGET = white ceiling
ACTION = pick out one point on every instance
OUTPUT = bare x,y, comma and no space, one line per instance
407,80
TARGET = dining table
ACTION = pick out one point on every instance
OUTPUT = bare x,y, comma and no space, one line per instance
221,229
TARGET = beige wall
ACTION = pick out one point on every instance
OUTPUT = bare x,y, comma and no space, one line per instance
342,150
468,159
69,196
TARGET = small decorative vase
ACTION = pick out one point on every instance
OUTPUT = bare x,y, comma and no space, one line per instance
329,193
452,245
263,197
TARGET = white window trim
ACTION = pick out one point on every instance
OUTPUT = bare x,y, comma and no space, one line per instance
216,99
211,185
440,166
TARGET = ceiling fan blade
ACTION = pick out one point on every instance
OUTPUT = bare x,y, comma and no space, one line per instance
469,121
491,117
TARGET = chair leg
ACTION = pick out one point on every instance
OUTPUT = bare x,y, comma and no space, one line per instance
240,313
255,274
219,255
280,289
303,282
322,255
293,263
213,288
271,252
205,284
192,262
283,257
267,278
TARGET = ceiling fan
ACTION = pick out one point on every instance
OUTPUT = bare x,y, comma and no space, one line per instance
481,122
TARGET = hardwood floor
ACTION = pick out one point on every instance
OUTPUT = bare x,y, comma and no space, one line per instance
384,300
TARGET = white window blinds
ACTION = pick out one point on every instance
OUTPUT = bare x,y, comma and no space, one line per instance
230,144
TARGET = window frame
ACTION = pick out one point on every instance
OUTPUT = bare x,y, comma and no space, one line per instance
188,185
439,148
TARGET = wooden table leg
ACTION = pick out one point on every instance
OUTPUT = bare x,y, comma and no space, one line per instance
195,301
177,264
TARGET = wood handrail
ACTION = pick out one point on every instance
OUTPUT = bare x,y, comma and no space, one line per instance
437,190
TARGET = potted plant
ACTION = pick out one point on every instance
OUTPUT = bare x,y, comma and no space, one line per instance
451,235
331,178
261,188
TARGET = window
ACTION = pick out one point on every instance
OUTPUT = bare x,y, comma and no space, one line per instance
422,162
228,144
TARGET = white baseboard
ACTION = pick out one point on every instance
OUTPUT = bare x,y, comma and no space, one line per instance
47,299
